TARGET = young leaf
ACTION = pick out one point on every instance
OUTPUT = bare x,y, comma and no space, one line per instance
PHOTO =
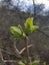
28,25
20,63
23,34
15,31
34,27
36,62
19,26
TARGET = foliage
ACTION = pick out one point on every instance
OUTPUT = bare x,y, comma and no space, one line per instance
18,32
21,63
36,62
29,26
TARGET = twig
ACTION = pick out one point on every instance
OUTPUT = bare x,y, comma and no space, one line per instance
2,60
1,55
6,51
20,52
10,61
16,50
25,49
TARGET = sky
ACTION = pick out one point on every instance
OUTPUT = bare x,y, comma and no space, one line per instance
46,2
29,2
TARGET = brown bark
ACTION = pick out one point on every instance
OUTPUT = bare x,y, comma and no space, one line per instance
27,50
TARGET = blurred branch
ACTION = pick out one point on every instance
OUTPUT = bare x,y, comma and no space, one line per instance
16,50
1,55
20,52
1,58
3,61
9,61
43,33
6,52
24,49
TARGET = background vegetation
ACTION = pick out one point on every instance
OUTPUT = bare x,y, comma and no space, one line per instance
13,15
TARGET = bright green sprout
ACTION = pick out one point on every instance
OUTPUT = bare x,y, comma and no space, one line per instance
29,26
36,62
17,32
21,63
23,34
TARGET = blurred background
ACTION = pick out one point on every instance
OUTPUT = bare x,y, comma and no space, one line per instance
14,12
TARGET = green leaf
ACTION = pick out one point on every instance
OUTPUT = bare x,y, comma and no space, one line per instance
34,27
34,62
23,34
15,37
19,26
28,25
15,31
20,63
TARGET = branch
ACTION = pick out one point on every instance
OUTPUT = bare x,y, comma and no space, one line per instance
16,50
6,51
43,32
25,49
1,57
9,53
18,53
10,61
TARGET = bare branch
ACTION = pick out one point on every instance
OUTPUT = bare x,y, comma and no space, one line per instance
1,55
6,51
10,61
1,58
24,49
16,50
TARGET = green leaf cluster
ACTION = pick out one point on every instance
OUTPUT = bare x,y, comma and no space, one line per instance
29,26
36,62
17,31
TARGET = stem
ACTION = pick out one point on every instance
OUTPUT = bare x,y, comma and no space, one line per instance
27,50
1,58
16,50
